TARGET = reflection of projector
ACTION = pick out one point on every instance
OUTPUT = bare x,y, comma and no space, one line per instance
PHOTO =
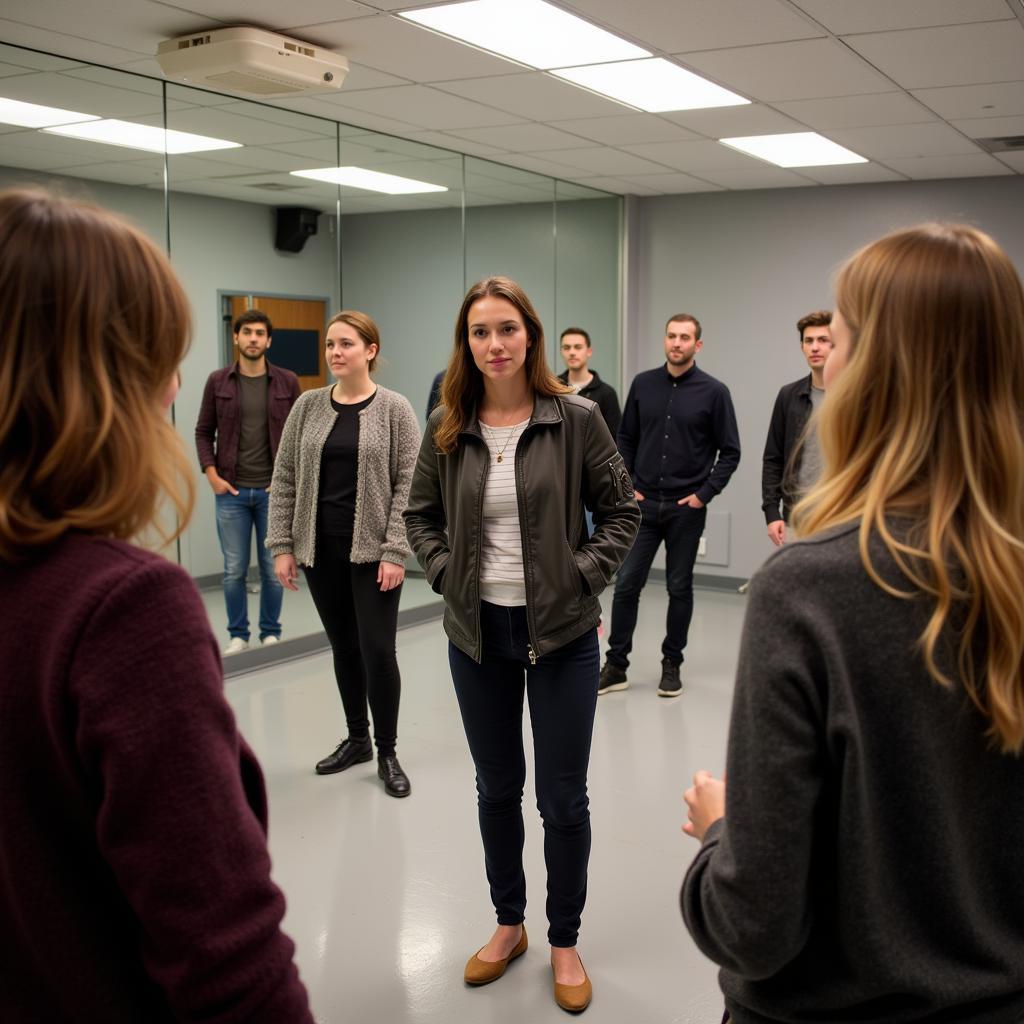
252,61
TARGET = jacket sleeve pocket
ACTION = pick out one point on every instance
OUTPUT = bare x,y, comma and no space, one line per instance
622,484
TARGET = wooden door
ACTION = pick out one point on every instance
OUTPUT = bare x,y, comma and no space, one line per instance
293,346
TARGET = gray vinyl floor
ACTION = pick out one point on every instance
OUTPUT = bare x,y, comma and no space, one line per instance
387,898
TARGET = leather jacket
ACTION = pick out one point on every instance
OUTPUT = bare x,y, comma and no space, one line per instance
565,458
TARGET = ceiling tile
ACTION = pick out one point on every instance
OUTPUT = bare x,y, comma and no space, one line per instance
841,16
626,128
722,122
28,60
762,176
427,107
67,93
910,140
362,77
990,127
858,111
269,13
535,96
523,138
540,164
963,166
620,186
999,99
790,71
960,55
695,157
335,108
604,160
851,174
401,48
1014,160
672,183
699,24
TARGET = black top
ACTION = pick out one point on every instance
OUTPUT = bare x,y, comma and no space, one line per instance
679,434
605,396
255,461
870,865
780,466
336,507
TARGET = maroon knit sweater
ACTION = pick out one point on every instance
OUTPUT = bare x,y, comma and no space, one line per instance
134,875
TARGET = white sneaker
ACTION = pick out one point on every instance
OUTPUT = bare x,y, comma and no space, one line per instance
236,645
268,640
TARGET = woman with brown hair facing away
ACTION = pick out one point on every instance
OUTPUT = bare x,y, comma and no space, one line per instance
496,518
134,875
341,481
870,865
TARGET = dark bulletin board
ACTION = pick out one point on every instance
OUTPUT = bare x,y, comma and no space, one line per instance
298,351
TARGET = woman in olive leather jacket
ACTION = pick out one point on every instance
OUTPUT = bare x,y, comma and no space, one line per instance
496,519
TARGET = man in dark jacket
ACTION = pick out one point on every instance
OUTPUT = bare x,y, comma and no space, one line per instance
791,462
239,428
577,351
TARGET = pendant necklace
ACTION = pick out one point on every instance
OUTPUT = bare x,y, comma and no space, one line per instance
499,456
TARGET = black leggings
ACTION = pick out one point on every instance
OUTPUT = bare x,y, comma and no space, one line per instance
360,623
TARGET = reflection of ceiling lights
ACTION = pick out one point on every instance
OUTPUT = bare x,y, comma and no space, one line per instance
372,181
112,132
529,31
795,149
32,115
653,85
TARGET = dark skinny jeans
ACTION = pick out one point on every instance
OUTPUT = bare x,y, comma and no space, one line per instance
360,623
562,692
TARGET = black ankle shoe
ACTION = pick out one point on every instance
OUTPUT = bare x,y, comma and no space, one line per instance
670,685
612,678
396,782
347,753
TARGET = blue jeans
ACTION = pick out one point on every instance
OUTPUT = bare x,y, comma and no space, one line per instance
237,515
562,691
680,527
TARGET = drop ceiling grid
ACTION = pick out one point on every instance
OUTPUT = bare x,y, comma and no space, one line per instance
825,65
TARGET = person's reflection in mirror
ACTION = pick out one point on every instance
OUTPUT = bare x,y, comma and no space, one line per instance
243,412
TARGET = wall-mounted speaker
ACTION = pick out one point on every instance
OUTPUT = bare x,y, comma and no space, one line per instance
294,224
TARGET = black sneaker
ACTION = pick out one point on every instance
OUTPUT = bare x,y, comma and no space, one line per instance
612,678
670,685
347,753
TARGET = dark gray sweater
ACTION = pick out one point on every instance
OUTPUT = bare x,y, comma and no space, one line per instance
871,864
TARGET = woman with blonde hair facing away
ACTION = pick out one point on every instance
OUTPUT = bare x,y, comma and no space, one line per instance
869,864
340,485
134,875
509,462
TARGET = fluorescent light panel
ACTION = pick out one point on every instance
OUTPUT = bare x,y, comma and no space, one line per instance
529,31
653,85
795,149
371,181
32,115
112,132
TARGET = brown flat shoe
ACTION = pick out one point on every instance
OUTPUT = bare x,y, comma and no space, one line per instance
483,972
574,998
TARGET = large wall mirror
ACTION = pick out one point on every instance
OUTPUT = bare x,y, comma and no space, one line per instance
400,238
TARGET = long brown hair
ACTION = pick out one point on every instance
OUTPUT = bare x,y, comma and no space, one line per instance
463,385
926,422
94,324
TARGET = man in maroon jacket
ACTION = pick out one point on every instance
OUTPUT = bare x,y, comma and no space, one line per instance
239,428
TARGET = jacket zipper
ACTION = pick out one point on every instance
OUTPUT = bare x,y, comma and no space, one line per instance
527,571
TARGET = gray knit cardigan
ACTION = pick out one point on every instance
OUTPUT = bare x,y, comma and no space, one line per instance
389,438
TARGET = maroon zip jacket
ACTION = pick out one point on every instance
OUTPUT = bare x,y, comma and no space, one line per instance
220,416
134,874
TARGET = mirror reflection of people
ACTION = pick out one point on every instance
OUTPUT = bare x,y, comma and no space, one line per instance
496,520
238,432
134,874
341,482
865,861
792,461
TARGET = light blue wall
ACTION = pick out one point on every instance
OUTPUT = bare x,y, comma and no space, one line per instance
749,264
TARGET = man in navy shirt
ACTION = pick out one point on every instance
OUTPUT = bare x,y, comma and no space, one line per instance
681,445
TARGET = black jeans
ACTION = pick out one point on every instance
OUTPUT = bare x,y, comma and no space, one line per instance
562,691
680,527
360,623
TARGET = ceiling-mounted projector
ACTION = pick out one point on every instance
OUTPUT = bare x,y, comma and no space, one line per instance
251,61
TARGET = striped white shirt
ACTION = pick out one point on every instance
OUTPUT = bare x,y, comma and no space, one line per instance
501,550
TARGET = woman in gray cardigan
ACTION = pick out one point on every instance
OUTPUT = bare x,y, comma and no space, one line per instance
340,486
